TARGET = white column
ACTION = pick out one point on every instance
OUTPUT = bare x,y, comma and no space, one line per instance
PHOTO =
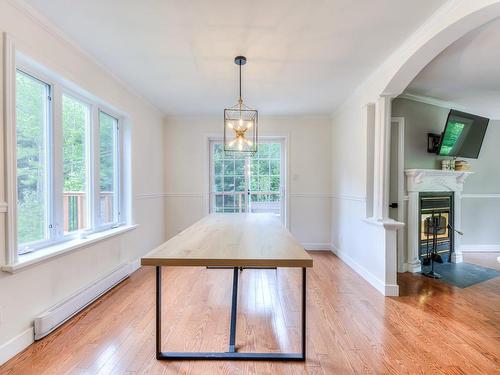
413,234
381,166
457,255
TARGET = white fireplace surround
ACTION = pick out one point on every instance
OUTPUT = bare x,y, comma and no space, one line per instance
432,180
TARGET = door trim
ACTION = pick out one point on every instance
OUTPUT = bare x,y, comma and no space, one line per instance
400,123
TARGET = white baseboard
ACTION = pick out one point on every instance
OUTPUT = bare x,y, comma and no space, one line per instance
66,309
490,248
317,246
390,290
52,318
135,265
16,345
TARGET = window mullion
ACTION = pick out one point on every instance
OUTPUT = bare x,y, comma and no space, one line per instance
57,209
118,175
94,169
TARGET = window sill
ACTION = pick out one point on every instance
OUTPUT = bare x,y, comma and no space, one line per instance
28,260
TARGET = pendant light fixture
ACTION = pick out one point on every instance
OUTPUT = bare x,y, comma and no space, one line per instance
240,122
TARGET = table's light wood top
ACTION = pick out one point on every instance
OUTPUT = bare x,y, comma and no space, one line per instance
236,240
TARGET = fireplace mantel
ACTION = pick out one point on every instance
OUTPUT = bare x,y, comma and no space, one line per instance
431,180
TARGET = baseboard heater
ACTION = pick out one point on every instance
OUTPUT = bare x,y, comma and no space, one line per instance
48,321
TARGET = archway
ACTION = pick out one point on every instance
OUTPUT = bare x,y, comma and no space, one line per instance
452,22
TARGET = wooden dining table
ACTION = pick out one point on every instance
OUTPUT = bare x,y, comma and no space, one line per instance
235,241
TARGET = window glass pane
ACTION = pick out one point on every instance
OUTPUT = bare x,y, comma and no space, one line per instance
254,183
239,167
275,167
218,151
32,113
228,167
275,151
264,183
218,203
263,167
263,150
108,144
229,183
239,183
275,183
218,166
229,201
75,120
254,167
218,183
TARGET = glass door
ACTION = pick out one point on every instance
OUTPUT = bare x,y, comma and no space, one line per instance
243,183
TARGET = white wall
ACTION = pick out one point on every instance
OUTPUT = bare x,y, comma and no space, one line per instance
359,242
481,195
27,293
186,180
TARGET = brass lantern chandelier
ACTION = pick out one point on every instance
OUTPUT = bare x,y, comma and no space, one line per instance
240,123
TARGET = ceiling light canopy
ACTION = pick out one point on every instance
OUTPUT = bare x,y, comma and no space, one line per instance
240,122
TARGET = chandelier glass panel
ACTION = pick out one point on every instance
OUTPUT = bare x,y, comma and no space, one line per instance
240,123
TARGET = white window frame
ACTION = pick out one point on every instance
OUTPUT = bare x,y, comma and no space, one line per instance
49,167
57,240
118,198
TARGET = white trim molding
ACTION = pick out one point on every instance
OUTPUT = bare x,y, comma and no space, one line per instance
391,290
52,318
16,345
3,207
317,246
401,210
310,195
185,195
150,195
9,91
347,197
485,248
481,196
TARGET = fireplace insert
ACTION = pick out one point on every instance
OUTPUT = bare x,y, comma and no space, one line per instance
440,206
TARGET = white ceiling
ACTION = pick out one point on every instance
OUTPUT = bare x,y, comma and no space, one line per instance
304,56
466,74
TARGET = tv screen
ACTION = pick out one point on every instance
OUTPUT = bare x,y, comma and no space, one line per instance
463,135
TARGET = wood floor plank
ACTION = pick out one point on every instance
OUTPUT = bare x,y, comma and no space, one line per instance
433,328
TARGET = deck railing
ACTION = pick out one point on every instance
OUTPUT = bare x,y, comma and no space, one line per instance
262,201
75,209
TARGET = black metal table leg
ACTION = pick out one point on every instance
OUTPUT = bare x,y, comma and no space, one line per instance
232,332
158,312
304,278
232,354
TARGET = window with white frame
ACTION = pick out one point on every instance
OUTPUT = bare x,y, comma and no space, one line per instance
68,152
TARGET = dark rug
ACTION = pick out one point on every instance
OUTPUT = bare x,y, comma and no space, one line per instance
462,274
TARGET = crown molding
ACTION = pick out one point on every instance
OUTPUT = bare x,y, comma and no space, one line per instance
59,35
431,101
441,103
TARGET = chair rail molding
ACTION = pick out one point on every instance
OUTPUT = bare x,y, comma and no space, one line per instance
3,207
432,180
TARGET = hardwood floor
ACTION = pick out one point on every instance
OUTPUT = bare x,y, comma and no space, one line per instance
433,328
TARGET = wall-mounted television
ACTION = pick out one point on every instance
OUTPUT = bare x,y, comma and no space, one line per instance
463,135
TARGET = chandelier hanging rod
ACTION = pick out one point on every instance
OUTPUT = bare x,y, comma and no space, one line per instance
240,60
